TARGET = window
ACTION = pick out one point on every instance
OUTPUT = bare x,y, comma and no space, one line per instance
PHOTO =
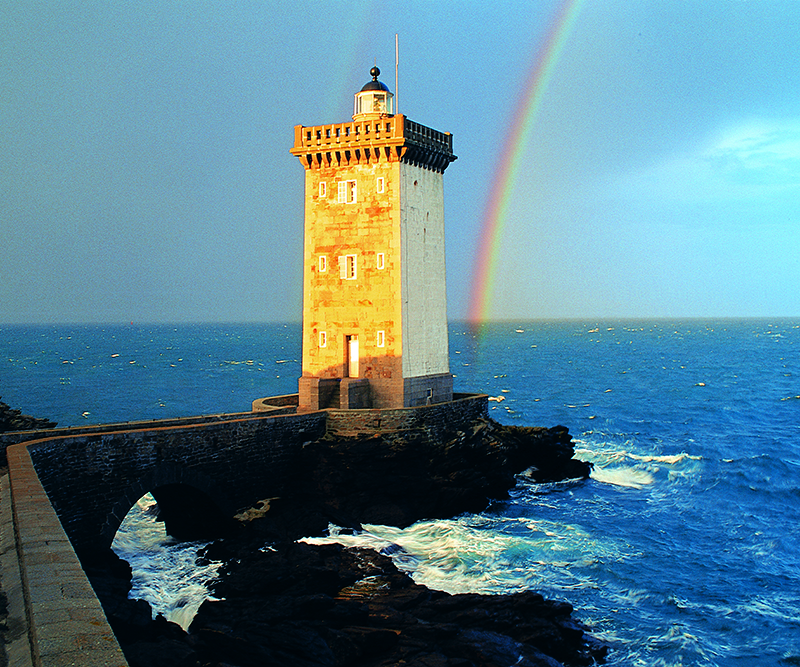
323,339
381,339
379,262
381,185
323,263
323,189
346,192
347,267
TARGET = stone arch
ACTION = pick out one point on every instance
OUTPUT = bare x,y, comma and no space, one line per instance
184,495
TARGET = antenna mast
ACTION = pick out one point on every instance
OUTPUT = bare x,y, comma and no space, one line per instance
396,83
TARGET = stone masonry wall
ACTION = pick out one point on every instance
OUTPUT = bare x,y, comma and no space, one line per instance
435,418
234,462
64,623
15,437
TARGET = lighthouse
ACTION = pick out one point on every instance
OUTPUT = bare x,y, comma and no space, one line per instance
374,296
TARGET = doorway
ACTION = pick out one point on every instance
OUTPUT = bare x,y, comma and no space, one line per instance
351,365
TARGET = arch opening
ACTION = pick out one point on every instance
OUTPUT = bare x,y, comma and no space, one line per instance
164,569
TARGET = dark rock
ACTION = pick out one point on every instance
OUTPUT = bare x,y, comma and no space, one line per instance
161,653
282,602
398,479
491,648
189,514
13,420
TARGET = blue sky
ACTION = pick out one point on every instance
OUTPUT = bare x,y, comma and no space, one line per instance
145,173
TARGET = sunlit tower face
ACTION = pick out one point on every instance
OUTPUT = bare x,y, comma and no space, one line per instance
374,296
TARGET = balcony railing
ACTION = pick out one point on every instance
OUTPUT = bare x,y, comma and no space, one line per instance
391,130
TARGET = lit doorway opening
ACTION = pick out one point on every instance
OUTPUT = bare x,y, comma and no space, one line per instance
351,365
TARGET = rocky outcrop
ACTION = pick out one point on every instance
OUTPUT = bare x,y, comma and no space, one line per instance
282,602
326,605
13,420
396,479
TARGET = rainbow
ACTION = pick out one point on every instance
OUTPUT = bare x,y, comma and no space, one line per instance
525,114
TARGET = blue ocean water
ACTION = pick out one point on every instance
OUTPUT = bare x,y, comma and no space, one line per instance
683,547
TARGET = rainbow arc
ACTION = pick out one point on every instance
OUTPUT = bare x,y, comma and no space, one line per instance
511,158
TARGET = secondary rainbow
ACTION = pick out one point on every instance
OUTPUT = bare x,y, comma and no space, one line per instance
525,114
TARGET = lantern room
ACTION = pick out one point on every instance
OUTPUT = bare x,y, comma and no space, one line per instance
374,99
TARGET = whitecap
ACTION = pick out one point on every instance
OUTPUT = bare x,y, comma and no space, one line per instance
628,477
670,459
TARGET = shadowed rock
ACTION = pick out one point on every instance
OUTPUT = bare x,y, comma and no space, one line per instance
13,420
289,603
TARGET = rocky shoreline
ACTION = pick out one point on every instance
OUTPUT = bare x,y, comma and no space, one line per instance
283,602
12,419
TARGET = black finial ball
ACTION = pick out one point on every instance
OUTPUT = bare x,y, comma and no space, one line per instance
374,72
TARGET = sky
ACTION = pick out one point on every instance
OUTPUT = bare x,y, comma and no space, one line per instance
145,172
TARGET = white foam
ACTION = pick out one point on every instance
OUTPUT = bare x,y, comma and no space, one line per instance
480,554
164,570
633,478
667,458
601,457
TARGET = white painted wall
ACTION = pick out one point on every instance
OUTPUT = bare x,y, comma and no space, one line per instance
424,306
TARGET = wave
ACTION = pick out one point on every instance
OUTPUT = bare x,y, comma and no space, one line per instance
620,467
667,458
485,554
629,477
165,572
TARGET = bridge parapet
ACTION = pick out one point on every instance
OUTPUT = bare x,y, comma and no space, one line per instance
16,437
93,479
64,621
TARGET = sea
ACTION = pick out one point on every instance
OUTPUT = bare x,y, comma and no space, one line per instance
683,548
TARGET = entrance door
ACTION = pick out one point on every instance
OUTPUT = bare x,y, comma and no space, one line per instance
352,356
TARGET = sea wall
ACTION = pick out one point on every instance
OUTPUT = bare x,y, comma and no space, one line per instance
434,419
276,405
94,479
15,437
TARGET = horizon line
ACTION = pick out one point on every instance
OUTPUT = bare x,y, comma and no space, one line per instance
454,320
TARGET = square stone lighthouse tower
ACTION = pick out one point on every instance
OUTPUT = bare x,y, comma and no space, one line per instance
374,302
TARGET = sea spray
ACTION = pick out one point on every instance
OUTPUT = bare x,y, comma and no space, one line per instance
165,571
